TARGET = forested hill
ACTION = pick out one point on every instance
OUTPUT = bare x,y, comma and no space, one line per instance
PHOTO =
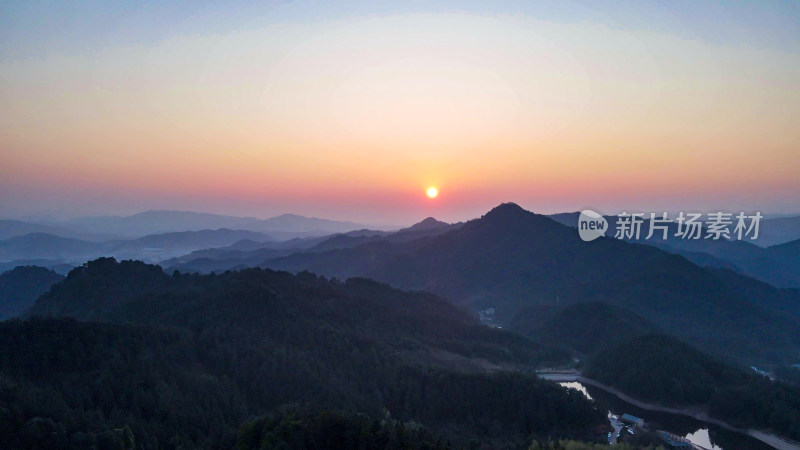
661,369
284,306
186,359
584,327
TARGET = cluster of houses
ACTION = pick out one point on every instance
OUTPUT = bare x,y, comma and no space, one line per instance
486,315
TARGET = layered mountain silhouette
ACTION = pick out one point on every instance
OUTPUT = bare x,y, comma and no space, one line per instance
155,236
511,259
515,261
150,247
208,352
157,222
772,230
779,230
13,228
249,254
156,247
778,264
45,245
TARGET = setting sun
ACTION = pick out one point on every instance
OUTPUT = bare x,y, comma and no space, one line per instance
432,192
249,173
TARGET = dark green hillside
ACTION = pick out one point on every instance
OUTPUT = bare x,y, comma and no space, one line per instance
309,428
660,368
760,403
298,308
97,288
251,341
585,327
66,384
664,370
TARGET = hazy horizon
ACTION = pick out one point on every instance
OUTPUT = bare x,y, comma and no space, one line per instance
350,112
64,218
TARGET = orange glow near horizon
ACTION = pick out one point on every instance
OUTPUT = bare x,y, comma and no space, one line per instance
302,116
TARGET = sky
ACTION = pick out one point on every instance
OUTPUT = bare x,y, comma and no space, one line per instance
351,110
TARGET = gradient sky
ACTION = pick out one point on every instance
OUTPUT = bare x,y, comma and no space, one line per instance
351,110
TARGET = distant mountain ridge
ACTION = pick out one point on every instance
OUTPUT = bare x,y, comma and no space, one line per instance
14,228
151,247
779,230
302,224
511,259
166,221
778,265
250,254
155,236
772,230
157,222
182,242
45,245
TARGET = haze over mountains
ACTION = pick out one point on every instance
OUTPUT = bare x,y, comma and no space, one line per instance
511,260
154,222
149,236
336,340
732,295
772,230
165,221
161,235
777,264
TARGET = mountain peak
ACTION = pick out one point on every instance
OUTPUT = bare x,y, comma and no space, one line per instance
289,216
508,210
428,223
